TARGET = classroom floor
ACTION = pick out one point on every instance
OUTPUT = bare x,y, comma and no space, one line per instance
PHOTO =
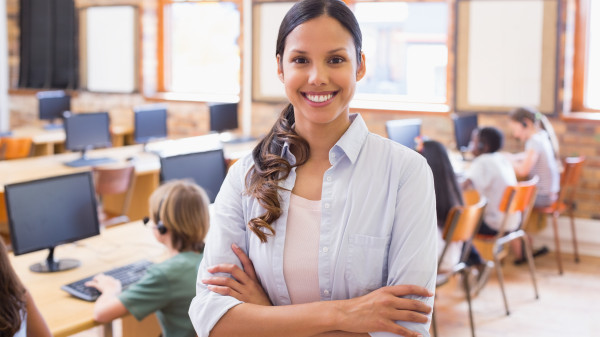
569,305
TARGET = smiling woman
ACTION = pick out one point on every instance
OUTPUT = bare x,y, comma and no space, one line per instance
332,229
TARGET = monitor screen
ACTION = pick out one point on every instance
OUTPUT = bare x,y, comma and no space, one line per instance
45,213
207,169
150,122
87,131
52,104
463,128
223,117
404,131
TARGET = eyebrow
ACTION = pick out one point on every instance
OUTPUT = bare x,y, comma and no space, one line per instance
329,52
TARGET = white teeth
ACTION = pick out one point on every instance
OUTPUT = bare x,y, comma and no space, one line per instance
319,98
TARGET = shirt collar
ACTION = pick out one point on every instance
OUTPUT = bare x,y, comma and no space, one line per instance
350,143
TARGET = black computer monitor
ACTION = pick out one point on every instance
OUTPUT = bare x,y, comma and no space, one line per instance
206,168
84,132
45,213
224,118
463,128
52,105
150,123
404,131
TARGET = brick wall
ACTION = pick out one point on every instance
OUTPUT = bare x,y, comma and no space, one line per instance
188,119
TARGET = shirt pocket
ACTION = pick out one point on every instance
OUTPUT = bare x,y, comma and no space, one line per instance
367,263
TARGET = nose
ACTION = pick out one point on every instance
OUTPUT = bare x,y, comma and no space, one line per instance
318,75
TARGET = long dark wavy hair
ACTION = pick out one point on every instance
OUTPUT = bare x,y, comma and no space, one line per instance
12,293
447,192
270,167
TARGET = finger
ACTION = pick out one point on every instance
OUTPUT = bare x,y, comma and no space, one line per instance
225,291
412,305
409,289
409,316
223,282
245,260
231,269
392,327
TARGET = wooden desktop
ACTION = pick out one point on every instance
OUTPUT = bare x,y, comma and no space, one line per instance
114,247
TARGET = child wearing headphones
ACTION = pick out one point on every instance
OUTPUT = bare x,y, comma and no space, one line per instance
180,220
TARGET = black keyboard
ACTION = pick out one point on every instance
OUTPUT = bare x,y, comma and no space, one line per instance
127,274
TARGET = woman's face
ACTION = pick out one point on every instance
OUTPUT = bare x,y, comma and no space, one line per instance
319,70
520,131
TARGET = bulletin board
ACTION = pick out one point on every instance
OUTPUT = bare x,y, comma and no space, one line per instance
109,53
506,55
267,17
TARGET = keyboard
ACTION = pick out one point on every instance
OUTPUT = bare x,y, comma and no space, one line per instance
127,274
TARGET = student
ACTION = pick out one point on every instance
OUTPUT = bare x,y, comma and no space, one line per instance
180,216
541,153
338,223
540,158
19,316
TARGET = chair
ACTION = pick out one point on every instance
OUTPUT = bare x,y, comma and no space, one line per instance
565,203
461,225
519,198
112,180
15,148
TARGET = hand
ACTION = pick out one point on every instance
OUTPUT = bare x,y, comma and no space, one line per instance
378,310
244,285
105,284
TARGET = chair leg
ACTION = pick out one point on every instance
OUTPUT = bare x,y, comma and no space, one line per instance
574,235
501,281
557,242
529,257
468,292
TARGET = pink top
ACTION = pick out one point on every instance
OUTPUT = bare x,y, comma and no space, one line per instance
301,250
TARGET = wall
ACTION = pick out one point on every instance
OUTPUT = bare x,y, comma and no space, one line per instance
186,119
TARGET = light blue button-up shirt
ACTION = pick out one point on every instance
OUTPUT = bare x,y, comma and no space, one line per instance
378,227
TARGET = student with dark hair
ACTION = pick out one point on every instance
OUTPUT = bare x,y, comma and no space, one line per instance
19,316
338,224
180,220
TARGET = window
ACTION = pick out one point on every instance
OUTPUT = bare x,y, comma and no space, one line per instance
586,80
201,53
405,44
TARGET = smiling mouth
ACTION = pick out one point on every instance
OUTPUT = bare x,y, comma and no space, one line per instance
320,98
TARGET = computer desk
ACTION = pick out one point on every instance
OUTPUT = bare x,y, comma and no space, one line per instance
114,247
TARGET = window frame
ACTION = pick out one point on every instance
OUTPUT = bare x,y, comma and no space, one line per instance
161,59
582,12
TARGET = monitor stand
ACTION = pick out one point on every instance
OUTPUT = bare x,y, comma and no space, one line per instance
50,265
84,160
230,138
53,126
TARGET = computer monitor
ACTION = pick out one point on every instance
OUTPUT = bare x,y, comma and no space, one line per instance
463,128
206,168
223,119
150,123
52,105
84,132
45,213
404,131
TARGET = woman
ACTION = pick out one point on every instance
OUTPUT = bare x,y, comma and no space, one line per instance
19,316
180,213
338,223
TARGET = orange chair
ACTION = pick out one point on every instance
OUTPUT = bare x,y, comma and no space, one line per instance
519,198
15,148
111,180
461,225
566,202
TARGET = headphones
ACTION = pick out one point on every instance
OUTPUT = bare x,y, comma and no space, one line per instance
160,226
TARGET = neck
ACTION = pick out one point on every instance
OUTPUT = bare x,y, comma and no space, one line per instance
322,137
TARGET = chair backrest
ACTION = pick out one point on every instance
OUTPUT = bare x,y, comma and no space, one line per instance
15,148
113,179
462,223
518,198
570,177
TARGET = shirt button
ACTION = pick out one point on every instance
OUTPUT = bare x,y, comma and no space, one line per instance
326,292
328,178
327,205
325,249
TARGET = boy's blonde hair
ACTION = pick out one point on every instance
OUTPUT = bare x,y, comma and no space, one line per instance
182,206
